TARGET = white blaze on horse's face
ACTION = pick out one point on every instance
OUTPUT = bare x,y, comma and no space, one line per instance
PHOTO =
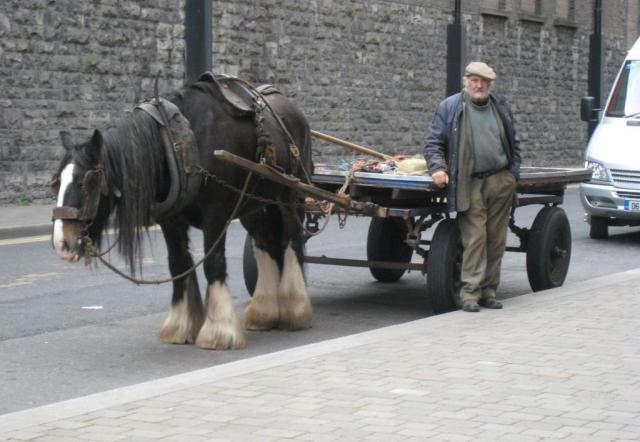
63,236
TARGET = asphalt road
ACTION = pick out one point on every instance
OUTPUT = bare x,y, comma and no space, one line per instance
67,330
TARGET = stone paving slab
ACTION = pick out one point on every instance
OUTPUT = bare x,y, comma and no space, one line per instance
557,365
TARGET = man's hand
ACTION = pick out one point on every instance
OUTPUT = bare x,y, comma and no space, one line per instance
440,178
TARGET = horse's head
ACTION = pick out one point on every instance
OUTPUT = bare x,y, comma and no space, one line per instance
81,186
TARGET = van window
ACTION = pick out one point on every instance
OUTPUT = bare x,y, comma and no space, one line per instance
625,98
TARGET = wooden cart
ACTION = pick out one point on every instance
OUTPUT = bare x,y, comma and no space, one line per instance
403,207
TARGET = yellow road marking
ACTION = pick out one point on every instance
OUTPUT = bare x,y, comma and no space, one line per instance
43,238
28,279
14,284
33,276
26,240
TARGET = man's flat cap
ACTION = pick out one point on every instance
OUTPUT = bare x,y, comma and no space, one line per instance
480,69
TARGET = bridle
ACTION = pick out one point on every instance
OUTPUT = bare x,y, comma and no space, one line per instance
94,184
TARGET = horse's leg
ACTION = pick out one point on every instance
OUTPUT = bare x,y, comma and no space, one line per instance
221,329
262,311
293,300
186,314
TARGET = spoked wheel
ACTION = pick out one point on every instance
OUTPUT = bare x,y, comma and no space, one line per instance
443,267
385,242
549,249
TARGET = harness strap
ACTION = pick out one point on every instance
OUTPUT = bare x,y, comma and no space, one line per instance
294,150
65,212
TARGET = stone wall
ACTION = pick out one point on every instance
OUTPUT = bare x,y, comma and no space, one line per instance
371,71
75,65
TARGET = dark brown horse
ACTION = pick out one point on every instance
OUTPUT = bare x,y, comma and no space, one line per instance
120,177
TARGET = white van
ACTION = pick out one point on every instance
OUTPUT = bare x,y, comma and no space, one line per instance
612,196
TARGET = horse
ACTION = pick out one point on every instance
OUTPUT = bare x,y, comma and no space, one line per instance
120,176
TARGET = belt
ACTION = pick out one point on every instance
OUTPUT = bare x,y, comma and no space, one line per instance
486,174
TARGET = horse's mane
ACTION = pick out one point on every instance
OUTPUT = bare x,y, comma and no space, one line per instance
135,165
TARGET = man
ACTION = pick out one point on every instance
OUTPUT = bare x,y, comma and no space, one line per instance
472,149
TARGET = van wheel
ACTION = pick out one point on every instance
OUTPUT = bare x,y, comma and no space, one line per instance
599,227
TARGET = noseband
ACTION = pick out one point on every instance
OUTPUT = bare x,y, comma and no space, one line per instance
94,183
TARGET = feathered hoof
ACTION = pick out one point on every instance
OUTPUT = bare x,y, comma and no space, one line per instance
292,321
295,313
172,334
293,324
179,329
220,337
260,320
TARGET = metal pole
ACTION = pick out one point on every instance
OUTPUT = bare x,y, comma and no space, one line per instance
198,40
455,51
595,61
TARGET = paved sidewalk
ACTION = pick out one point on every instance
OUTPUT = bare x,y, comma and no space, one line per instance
18,221
558,365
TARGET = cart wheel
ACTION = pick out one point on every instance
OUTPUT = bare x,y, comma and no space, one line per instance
249,266
549,249
443,267
385,242
599,227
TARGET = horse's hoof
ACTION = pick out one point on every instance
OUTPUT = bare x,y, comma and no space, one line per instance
253,326
259,320
169,336
220,344
220,338
297,314
179,330
296,322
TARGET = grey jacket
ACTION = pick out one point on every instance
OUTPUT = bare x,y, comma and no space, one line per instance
442,142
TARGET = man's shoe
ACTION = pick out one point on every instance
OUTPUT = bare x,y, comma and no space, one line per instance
470,306
491,303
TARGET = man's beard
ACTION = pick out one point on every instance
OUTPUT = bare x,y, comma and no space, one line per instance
480,100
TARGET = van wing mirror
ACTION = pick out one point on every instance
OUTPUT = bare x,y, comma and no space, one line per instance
588,112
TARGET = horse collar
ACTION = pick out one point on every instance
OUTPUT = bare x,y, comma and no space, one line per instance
151,107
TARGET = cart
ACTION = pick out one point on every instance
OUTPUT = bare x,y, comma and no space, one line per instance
403,207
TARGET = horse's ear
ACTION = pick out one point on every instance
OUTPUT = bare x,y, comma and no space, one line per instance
95,147
65,137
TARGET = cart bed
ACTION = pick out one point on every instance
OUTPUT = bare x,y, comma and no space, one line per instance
532,179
